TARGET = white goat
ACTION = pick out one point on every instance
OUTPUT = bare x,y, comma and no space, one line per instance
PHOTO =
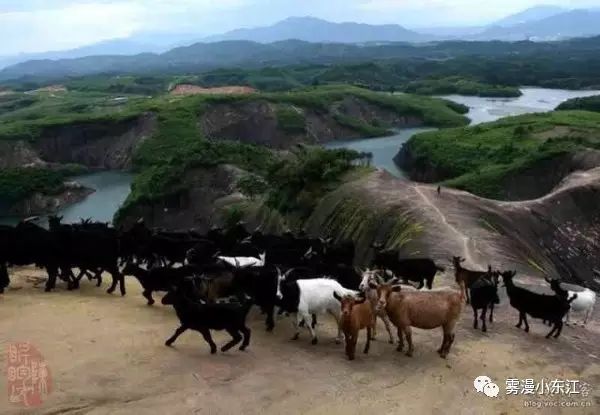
314,296
370,279
244,261
584,302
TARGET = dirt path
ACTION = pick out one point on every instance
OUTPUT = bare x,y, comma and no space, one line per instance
106,355
467,242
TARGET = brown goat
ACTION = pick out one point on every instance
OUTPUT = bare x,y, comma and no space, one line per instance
357,314
424,310
370,280
466,277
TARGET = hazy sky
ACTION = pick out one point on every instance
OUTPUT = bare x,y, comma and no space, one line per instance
42,25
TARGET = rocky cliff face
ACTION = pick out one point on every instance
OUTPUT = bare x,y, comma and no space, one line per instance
257,122
108,145
210,191
18,154
39,204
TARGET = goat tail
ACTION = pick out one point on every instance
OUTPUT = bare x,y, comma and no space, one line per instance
570,300
439,268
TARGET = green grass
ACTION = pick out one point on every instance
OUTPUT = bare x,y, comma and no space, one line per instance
587,104
364,129
478,159
461,86
45,110
290,119
178,143
18,183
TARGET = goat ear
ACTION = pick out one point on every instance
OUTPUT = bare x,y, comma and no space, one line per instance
337,297
360,299
462,260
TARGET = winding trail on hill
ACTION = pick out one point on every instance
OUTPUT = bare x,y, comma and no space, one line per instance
461,236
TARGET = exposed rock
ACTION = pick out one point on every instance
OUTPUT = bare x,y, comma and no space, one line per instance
256,122
39,203
210,191
18,154
536,181
373,114
107,145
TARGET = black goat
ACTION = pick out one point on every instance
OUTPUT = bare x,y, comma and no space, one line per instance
419,270
30,244
546,307
260,283
157,279
484,295
89,249
193,314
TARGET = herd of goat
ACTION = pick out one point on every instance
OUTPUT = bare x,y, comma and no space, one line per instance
213,279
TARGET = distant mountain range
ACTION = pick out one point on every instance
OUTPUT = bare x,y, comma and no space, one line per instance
310,29
569,24
530,15
539,23
202,57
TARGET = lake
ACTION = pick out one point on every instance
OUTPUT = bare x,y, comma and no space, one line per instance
112,188
383,149
480,110
533,100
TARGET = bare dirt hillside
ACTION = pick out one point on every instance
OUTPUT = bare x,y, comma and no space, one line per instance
185,89
554,236
106,356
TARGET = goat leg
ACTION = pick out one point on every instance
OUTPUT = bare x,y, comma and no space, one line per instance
148,294
483,325
296,322
560,326
336,316
313,335
177,333
526,323
206,334
246,333
52,274
475,318
492,313
408,332
270,322
236,338
400,340
520,320
368,343
388,327
449,341
351,339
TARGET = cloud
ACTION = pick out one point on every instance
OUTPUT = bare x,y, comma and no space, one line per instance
35,26
41,25
67,27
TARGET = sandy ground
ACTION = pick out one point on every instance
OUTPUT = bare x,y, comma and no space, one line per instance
185,89
106,356
52,88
